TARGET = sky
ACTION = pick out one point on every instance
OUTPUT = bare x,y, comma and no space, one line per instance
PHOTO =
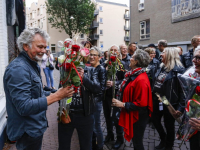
28,2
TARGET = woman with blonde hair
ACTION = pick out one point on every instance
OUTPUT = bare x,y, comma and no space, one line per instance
167,84
108,101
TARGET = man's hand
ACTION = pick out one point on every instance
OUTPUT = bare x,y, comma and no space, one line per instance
60,94
80,71
177,114
117,103
109,83
195,123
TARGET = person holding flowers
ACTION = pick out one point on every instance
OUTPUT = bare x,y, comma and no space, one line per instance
100,71
135,100
79,115
167,84
114,79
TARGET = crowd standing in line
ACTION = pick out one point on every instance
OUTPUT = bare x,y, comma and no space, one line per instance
129,110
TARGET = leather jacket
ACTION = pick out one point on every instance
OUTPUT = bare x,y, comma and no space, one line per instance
91,85
100,71
187,59
127,62
173,90
151,70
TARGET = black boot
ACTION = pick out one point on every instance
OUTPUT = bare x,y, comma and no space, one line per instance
161,145
119,142
168,148
109,137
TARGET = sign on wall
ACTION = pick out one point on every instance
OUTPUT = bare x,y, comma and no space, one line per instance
185,9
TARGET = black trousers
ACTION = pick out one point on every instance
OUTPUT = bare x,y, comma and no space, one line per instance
168,123
138,130
111,120
195,142
84,126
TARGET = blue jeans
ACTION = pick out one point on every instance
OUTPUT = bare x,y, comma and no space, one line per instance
84,126
27,142
49,75
97,124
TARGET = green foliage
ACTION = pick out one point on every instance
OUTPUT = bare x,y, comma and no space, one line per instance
61,13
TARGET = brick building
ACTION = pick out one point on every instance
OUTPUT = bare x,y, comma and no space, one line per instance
177,21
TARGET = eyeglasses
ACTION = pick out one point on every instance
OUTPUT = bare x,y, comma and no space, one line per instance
197,58
94,55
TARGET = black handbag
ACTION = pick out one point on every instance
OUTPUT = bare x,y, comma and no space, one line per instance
51,67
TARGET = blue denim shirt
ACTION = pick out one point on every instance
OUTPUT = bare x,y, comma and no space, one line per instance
26,101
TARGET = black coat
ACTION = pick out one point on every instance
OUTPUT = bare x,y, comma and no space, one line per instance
100,71
172,89
187,59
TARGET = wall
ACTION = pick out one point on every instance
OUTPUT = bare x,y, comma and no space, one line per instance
3,64
161,26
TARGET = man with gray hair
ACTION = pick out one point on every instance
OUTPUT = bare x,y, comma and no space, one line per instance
125,56
162,44
187,57
26,101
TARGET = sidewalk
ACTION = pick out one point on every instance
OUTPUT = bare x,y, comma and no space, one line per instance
50,140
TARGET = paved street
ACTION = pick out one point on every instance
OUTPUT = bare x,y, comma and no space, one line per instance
50,140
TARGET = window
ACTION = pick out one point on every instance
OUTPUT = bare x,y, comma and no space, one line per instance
101,8
38,23
41,23
31,16
141,1
145,29
101,20
101,32
31,25
38,11
82,36
53,48
41,10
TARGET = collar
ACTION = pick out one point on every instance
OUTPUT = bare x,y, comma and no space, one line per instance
28,58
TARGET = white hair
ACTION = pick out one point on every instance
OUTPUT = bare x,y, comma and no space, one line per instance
96,49
197,49
27,36
172,58
120,55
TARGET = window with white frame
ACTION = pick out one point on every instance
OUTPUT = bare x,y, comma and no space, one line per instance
145,29
101,20
101,8
41,10
101,32
53,48
33,15
82,36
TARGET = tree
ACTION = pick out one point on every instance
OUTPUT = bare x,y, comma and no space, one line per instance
72,16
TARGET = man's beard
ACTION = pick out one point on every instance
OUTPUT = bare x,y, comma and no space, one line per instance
37,58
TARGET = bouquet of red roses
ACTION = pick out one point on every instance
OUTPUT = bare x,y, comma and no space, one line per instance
69,76
191,88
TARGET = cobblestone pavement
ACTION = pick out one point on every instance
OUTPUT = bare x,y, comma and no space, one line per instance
50,140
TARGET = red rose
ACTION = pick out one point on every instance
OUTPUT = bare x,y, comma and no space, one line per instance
66,44
110,63
67,67
198,90
75,48
113,58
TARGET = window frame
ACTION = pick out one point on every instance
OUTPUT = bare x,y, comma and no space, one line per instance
100,32
145,34
53,46
100,8
100,20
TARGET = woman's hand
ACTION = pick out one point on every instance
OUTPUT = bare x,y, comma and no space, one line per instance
117,103
195,123
80,71
109,83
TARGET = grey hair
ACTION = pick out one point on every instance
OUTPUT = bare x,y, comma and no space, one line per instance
27,36
142,58
120,55
163,43
120,46
197,49
96,49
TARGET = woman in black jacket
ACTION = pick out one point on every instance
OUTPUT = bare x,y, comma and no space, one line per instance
100,71
167,84
107,104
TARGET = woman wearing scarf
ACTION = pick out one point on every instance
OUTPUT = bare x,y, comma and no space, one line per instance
136,100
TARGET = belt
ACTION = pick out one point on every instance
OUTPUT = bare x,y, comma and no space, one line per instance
76,111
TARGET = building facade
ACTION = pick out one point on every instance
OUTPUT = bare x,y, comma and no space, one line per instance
36,16
176,21
110,25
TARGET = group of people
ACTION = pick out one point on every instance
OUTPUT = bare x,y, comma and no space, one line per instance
146,73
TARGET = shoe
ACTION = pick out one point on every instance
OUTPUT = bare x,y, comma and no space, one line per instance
168,148
118,143
161,145
46,88
109,137
53,90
